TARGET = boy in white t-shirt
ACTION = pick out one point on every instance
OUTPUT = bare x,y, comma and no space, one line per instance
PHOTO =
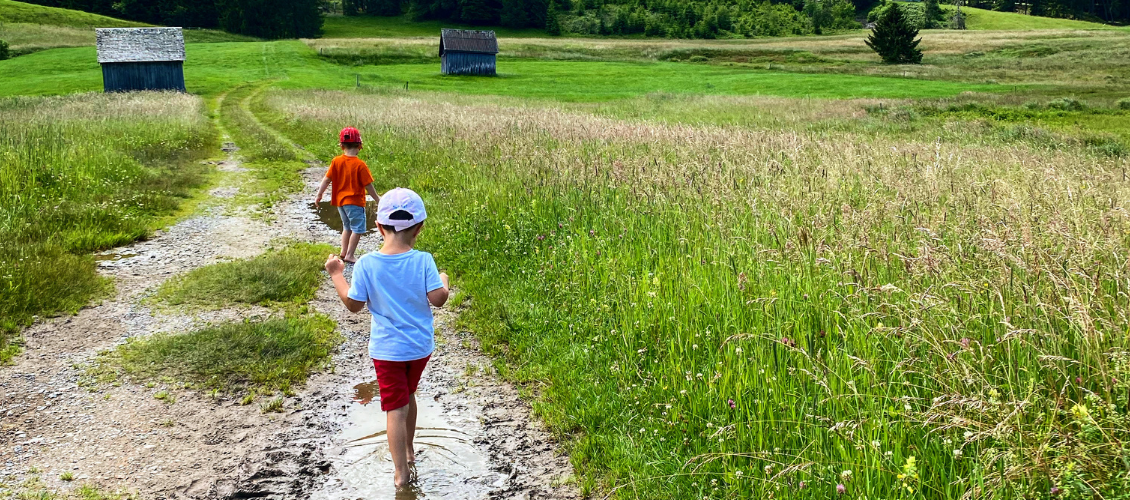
397,283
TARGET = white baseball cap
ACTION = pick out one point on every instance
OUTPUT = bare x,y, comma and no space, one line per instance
401,200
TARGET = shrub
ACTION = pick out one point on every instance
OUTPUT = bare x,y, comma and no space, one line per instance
1123,103
698,59
5,52
894,38
1066,104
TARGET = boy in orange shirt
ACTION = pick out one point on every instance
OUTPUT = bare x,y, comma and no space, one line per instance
351,179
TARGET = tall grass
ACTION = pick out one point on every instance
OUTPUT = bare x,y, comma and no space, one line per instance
731,312
84,173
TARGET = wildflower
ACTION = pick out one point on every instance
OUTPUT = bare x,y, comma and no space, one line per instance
841,489
875,443
737,350
641,430
731,403
802,485
846,476
769,470
694,346
957,453
1055,491
965,342
968,435
788,342
684,391
541,237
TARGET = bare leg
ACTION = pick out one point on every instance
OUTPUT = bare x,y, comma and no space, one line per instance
412,428
354,239
346,234
397,444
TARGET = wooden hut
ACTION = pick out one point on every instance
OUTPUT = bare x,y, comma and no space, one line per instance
468,52
141,58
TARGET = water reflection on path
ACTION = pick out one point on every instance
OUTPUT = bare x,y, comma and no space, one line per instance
448,464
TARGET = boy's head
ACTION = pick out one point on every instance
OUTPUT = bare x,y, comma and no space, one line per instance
350,138
400,214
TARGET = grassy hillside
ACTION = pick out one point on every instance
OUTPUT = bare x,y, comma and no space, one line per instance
20,12
981,19
30,28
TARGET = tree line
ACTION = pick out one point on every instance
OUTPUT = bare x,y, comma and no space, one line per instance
662,18
709,18
259,18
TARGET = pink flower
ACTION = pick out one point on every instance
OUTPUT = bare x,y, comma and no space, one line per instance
731,403
841,489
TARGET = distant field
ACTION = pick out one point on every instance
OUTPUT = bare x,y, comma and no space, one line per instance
213,68
373,26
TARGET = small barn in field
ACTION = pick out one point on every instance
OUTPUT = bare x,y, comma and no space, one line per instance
141,58
468,52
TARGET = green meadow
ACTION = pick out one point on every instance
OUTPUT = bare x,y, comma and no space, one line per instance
215,67
769,268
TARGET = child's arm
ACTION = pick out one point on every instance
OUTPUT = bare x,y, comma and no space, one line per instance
322,189
372,192
336,268
438,297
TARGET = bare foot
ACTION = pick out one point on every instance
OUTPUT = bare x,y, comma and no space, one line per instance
351,260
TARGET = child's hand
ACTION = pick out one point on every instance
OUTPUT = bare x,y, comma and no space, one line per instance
318,199
443,278
334,265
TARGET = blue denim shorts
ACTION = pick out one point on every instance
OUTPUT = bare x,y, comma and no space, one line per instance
352,218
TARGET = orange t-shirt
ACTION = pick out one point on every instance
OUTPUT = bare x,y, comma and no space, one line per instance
349,176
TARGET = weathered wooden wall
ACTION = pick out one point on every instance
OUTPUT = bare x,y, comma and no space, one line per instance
129,76
466,63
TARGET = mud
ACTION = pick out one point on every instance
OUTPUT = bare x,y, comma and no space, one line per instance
478,439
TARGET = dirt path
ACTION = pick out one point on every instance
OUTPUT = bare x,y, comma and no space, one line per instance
479,440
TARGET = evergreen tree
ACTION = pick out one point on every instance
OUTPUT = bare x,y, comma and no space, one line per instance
957,22
933,14
893,38
479,11
513,13
552,23
381,7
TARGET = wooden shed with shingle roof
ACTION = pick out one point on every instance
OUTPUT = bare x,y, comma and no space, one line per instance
468,52
141,58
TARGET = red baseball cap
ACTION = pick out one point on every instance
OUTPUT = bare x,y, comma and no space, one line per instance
350,134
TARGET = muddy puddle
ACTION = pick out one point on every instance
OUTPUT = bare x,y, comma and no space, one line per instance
103,257
328,215
449,465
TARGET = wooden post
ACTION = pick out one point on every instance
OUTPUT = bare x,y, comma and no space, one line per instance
358,80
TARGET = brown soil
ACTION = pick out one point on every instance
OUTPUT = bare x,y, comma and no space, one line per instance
122,438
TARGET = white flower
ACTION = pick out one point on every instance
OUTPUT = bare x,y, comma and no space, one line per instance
768,470
957,453
737,350
738,473
968,435
875,443
694,346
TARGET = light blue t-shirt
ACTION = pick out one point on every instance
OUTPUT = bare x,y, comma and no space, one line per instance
395,288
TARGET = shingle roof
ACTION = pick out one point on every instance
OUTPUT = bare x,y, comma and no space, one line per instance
139,44
481,42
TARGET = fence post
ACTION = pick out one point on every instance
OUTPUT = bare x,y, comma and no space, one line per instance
358,80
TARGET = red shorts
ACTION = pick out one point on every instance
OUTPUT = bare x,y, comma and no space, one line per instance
398,380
